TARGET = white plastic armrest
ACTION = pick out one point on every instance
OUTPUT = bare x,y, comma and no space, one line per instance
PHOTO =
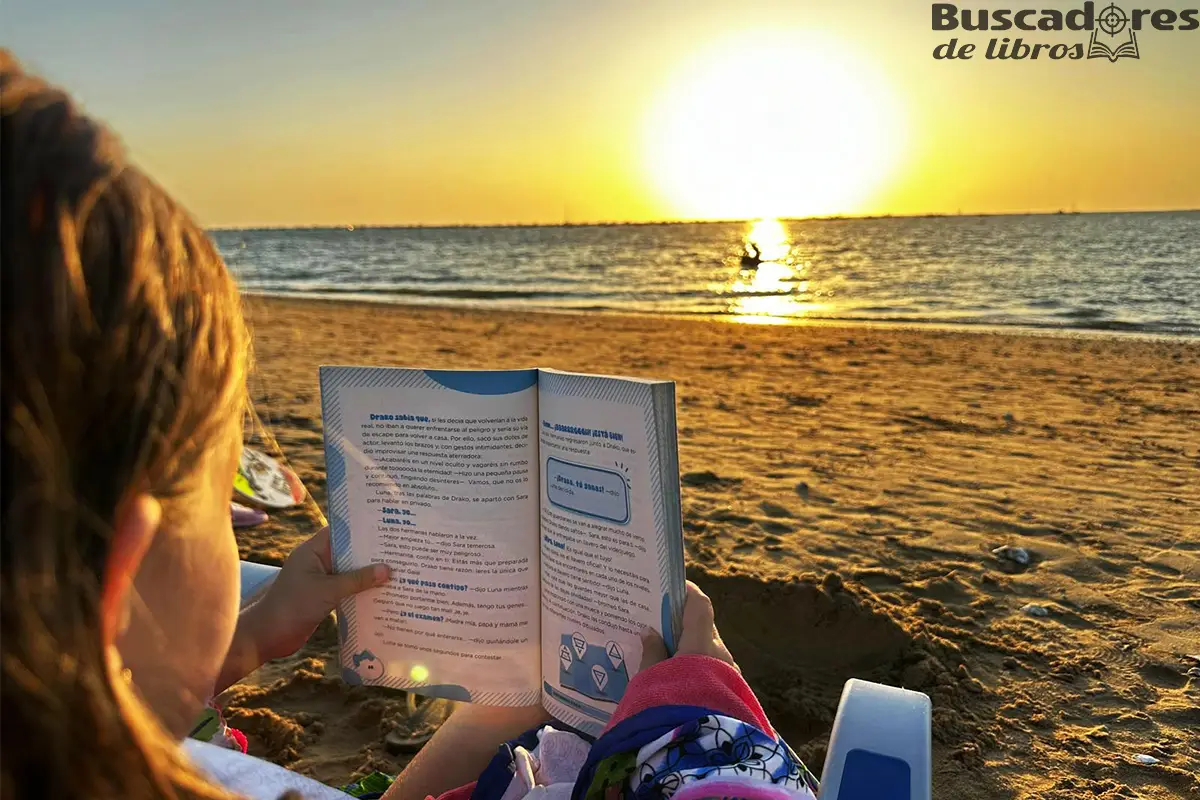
253,778
880,745
255,579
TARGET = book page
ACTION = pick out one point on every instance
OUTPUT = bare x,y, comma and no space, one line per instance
435,474
611,540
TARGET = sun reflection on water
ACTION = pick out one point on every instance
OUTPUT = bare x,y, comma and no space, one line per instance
775,291
771,238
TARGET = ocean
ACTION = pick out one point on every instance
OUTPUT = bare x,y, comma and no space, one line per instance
1137,272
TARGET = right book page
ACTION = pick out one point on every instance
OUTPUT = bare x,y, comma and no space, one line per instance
611,536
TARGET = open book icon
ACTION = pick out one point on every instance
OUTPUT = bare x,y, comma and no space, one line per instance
1122,44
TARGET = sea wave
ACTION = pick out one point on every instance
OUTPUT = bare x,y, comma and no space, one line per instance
1151,327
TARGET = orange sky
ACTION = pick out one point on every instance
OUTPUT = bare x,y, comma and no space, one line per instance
536,111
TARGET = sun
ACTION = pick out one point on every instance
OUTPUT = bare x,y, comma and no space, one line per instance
773,124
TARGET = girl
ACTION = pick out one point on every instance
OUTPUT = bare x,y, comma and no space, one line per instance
123,390
124,365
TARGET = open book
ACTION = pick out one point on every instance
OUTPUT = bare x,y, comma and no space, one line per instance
531,520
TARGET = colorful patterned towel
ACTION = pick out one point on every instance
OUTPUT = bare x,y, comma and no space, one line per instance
719,748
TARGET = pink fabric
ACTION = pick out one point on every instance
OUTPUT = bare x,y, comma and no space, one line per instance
461,793
690,680
740,788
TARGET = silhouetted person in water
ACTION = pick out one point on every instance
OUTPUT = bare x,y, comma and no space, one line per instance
753,259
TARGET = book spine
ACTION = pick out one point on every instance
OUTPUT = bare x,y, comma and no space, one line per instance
667,442
336,511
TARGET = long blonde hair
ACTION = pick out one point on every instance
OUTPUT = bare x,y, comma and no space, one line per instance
124,362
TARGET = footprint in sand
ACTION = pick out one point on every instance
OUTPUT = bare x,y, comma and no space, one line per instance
708,479
775,510
808,495
816,637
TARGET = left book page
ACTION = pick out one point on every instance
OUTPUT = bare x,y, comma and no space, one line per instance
435,473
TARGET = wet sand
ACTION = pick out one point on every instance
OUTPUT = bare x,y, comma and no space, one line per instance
843,492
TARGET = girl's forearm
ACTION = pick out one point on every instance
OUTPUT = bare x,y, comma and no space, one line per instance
246,652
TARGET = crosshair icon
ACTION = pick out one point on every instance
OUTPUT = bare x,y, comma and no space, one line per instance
1112,20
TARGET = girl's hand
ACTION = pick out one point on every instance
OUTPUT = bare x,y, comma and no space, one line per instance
303,594
699,635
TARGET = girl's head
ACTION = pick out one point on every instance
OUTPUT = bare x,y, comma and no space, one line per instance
124,359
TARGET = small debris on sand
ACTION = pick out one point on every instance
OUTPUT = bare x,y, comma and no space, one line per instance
1017,554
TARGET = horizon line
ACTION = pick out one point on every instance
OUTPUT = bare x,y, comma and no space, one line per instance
635,223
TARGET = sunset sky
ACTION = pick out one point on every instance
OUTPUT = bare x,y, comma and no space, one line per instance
475,111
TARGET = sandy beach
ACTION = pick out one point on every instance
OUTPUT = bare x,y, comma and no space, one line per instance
843,492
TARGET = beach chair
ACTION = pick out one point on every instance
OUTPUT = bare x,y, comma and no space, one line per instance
252,777
255,578
880,745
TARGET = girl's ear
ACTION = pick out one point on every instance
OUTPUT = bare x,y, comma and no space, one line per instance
136,524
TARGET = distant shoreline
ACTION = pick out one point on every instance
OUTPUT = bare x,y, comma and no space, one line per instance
654,223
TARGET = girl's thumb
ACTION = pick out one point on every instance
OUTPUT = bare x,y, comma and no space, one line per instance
361,579
654,649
